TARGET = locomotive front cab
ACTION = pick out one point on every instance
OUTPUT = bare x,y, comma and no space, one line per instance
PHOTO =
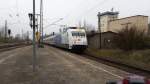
78,39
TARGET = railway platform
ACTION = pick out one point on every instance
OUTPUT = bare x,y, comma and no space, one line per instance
54,66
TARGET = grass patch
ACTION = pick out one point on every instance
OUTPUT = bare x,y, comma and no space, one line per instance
139,58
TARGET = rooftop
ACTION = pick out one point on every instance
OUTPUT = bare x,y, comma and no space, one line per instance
108,13
97,33
130,17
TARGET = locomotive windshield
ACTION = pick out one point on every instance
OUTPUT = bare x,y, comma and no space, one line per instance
78,34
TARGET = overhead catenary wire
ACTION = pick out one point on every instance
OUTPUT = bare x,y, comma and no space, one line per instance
92,8
89,10
101,3
53,23
72,11
83,1
67,15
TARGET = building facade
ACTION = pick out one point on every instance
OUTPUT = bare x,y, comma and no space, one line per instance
106,40
109,22
105,18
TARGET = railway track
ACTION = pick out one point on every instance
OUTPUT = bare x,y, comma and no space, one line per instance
7,47
125,67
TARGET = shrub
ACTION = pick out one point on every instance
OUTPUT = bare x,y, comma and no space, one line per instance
131,39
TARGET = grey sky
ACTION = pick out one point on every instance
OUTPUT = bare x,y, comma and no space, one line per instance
73,11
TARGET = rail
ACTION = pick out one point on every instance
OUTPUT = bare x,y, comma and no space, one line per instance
8,46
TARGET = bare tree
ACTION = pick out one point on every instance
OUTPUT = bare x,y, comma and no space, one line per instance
149,29
90,29
130,39
2,32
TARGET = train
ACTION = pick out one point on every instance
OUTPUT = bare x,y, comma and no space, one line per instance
71,38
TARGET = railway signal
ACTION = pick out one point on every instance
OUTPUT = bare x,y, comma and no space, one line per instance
9,32
31,19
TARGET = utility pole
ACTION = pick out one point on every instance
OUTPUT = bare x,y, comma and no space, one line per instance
27,36
99,27
34,43
42,19
22,34
41,23
5,30
85,25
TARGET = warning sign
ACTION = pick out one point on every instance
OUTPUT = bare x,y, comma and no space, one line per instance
37,34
